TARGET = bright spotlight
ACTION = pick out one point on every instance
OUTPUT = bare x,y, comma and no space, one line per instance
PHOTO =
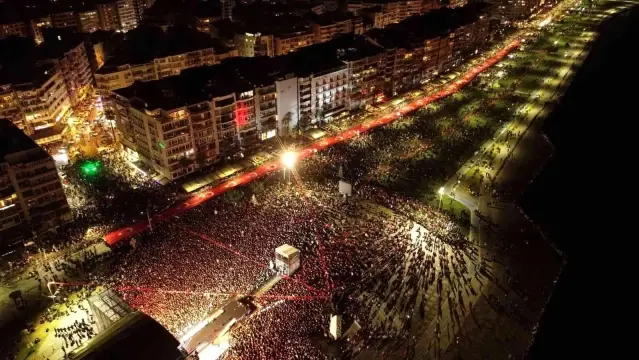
288,159
441,191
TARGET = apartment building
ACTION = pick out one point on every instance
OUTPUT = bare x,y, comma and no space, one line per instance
178,124
329,26
68,52
88,20
34,97
227,8
514,10
32,201
266,111
18,28
37,25
365,63
127,14
254,44
108,16
141,6
381,13
285,43
64,19
119,15
10,107
324,93
203,22
151,54
423,46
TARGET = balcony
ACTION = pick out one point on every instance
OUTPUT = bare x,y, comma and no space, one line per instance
265,114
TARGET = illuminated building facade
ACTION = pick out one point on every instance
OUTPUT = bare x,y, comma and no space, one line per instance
37,25
515,10
32,201
37,100
381,13
108,16
415,53
330,26
179,124
69,53
88,21
192,49
127,14
286,43
18,28
64,19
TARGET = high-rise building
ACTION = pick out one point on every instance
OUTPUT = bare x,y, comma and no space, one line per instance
141,6
34,97
18,28
227,8
514,10
127,14
68,52
119,15
32,201
37,24
145,58
88,20
64,19
108,16
331,25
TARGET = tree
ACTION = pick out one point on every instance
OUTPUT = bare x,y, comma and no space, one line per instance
319,115
303,122
184,162
286,121
200,158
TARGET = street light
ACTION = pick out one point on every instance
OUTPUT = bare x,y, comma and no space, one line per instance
441,193
288,159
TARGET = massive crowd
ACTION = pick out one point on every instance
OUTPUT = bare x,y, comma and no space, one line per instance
189,266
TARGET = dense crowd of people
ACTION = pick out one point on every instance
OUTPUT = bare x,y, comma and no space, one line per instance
191,265
115,194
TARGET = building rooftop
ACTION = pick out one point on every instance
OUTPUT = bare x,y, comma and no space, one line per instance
190,87
330,18
57,42
236,75
136,336
27,75
282,19
99,36
143,44
430,25
14,140
353,47
286,250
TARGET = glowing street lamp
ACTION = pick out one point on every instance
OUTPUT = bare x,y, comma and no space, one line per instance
288,159
441,193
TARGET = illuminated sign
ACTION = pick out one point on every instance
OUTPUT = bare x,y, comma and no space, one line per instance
241,113
246,94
